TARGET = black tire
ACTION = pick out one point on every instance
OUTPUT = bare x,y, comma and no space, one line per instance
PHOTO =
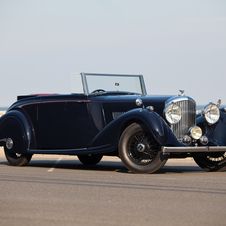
212,162
15,152
148,160
90,159
16,159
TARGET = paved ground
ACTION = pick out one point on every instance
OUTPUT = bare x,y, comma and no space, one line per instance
56,190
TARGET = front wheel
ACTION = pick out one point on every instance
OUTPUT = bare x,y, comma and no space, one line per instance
139,151
215,161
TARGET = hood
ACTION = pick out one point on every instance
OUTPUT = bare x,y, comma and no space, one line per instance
125,103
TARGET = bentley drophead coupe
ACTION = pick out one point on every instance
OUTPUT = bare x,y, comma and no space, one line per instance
111,114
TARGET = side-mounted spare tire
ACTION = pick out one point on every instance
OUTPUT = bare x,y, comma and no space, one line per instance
16,142
139,151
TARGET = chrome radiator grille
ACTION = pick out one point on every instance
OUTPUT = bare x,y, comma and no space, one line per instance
188,118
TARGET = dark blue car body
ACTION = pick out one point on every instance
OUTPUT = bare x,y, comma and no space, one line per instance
91,125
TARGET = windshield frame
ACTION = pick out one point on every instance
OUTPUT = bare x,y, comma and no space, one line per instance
81,78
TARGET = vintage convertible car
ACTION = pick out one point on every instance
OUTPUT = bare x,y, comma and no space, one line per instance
112,115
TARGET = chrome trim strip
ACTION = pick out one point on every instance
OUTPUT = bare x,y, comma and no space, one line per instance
193,149
119,75
176,99
85,84
3,140
143,84
53,101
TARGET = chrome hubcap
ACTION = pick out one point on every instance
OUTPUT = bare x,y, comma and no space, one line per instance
140,147
9,143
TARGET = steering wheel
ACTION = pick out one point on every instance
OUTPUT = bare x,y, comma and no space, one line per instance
98,91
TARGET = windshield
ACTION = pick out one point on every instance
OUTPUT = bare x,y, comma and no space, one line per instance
89,83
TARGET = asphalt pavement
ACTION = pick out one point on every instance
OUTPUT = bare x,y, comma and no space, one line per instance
59,190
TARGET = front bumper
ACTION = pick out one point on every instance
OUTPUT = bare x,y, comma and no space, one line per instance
193,149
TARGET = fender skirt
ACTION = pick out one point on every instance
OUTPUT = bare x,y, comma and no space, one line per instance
26,127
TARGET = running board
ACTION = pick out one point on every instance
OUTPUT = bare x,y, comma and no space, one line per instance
193,149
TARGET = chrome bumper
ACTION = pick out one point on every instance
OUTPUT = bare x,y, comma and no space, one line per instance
193,149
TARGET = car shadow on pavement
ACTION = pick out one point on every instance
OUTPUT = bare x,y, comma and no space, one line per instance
111,166
77,165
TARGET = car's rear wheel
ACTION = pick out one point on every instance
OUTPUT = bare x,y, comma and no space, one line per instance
215,161
90,159
139,151
15,146
16,159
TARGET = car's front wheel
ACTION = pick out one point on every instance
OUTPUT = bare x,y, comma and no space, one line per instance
90,159
215,161
139,151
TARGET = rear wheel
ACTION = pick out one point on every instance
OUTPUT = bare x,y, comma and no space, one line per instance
215,161
90,159
16,159
15,146
139,151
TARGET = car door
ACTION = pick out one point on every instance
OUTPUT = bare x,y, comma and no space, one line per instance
64,125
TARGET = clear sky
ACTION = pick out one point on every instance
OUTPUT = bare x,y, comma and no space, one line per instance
175,44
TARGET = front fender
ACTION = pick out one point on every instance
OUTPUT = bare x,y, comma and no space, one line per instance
216,133
25,125
156,125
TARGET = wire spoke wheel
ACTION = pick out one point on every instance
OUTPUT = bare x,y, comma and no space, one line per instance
150,148
139,151
215,161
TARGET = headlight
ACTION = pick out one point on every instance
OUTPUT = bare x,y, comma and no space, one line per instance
196,132
211,113
172,113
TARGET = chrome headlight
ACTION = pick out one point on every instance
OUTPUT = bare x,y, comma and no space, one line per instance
195,132
211,113
172,113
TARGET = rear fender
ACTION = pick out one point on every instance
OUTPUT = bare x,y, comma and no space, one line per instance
155,124
28,134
